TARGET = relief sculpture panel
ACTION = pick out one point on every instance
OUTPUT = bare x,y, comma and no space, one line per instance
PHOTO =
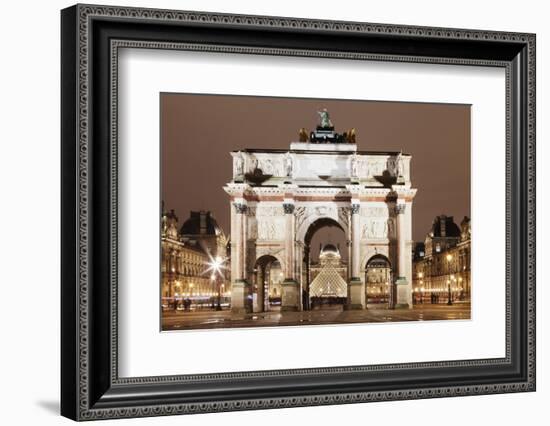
269,211
376,167
270,228
375,228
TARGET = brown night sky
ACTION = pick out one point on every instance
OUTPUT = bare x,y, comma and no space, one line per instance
198,131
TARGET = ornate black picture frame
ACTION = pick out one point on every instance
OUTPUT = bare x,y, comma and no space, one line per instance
91,387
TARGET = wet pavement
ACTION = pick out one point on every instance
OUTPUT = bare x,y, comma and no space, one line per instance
205,319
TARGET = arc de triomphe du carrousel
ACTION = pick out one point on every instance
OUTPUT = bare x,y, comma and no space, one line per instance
279,198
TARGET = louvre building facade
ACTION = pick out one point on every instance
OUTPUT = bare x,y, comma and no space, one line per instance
186,253
441,264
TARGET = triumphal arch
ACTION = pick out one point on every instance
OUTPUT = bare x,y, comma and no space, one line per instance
279,198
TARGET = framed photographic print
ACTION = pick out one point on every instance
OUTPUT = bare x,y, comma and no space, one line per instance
263,212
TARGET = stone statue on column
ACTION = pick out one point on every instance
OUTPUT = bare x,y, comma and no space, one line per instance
288,164
238,164
399,167
354,166
253,164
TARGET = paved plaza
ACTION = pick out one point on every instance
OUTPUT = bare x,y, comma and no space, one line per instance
203,319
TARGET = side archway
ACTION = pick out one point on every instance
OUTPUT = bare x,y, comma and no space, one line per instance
378,279
268,276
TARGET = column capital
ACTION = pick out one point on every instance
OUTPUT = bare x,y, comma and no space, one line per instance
354,209
240,208
288,208
400,208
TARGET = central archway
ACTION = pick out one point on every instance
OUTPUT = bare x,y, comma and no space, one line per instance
325,280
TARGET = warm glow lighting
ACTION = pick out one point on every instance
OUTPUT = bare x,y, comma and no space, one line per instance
449,258
215,266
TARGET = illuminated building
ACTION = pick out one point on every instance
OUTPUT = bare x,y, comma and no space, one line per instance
441,265
187,281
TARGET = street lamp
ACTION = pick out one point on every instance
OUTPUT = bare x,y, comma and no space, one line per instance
213,280
449,294
176,301
420,275
191,285
216,265
177,295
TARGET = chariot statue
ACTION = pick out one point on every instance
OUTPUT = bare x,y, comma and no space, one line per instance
325,122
